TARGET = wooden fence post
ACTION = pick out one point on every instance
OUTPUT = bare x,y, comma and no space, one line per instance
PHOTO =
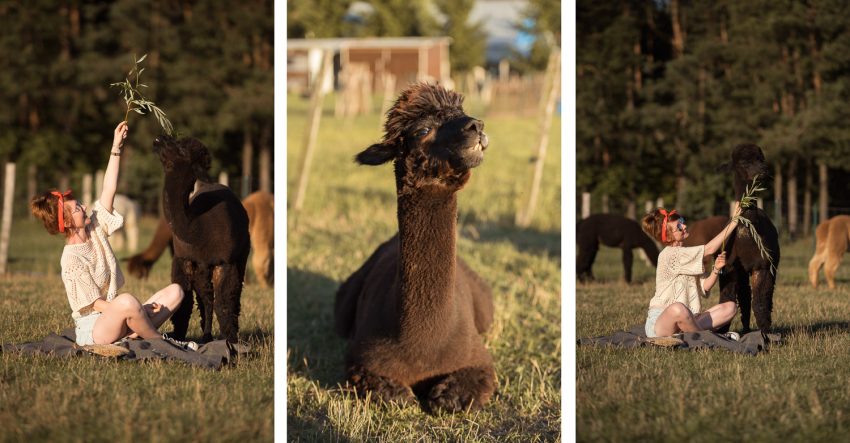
87,191
585,205
312,131
223,179
6,227
524,217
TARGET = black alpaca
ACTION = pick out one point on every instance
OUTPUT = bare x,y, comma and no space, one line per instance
210,235
615,231
414,312
747,277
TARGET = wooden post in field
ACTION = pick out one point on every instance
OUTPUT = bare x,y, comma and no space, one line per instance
659,203
631,210
585,205
87,191
32,172
312,131
223,179
524,216
98,183
647,206
6,226
389,92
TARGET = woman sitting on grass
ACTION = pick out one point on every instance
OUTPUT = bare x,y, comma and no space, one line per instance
90,270
680,279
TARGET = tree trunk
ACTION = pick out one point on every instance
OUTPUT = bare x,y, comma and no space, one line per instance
6,225
823,192
777,195
792,198
807,200
678,33
247,161
265,162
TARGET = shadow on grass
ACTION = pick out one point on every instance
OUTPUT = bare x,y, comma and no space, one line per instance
527,240
314,350
813,329
256,335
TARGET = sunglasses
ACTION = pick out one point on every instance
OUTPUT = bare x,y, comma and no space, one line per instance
680,225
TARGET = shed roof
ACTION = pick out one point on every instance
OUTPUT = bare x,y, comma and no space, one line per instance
365,43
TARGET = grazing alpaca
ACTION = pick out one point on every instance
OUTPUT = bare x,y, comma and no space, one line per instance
140,264
260,208
832,236
210,234
701,231
414,312
615,231
747,276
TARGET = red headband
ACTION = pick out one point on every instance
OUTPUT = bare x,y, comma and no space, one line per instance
61,207
664,230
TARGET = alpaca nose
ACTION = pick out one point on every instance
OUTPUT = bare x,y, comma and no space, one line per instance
474,125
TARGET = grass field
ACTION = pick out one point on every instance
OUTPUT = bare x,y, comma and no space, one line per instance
95,399
350,210
795,392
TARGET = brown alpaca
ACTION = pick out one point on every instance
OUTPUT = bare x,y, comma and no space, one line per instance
701,231
414,312
140,264
210,234
832,240
260,208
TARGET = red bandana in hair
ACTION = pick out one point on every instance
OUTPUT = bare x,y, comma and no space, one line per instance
61,205
664,230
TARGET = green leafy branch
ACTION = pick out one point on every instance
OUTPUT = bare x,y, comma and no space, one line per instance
136,101
748,199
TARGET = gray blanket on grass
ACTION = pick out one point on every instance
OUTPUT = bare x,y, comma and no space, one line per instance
750,344
212,355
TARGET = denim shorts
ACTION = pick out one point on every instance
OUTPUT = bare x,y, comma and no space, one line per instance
651,316
85,326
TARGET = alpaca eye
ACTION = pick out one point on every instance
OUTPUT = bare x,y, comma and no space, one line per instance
422,132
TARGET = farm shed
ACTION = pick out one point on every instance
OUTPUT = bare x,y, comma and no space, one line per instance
407,58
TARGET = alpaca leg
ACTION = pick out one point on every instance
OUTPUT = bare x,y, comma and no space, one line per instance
180,319
464,388
587,250
763,283
745,298
227,288
831,267
381,388
206,302
730,290
814,267
628,259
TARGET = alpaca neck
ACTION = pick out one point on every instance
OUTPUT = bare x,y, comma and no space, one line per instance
427,221
175,202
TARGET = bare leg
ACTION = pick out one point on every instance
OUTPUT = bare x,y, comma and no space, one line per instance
675,318
718,315
168,299
123,315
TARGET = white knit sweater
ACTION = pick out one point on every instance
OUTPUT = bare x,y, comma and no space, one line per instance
90,270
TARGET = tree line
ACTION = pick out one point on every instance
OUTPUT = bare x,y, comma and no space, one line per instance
209,66
666,88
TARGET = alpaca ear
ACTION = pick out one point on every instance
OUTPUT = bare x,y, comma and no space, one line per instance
377,154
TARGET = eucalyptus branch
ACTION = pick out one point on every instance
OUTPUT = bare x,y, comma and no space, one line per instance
136,101
747,200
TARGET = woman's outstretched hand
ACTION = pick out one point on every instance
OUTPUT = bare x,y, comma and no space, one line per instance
120,135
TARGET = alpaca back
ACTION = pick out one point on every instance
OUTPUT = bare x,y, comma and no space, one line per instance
839,233
218,227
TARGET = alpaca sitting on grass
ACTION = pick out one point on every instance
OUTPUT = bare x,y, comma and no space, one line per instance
414,312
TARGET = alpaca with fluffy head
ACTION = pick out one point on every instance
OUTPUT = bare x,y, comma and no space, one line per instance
413,314
748,277
210,235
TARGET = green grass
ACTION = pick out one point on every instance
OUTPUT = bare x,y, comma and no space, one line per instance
350,210
95,399
795,392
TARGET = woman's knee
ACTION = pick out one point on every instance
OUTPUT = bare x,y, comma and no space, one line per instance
680,311
728,309
126,303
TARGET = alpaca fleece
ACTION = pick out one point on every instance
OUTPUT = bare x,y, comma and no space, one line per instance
747,277
615,231
414,312
210,235
832,238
